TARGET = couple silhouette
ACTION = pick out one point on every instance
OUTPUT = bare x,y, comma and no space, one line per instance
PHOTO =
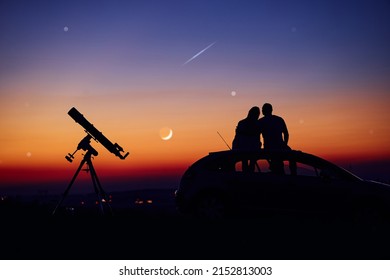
271,128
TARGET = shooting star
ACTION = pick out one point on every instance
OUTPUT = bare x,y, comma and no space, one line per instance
199,53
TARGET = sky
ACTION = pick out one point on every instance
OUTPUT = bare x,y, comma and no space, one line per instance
139,70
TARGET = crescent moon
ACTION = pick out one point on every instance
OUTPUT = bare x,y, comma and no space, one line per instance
169,136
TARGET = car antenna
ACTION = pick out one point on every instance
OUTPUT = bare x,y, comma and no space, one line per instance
224,140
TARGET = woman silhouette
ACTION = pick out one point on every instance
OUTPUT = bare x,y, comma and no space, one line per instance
247,132
248,137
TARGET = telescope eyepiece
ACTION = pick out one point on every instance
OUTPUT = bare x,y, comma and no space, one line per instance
69,158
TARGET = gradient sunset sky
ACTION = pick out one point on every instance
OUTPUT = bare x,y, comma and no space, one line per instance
126,66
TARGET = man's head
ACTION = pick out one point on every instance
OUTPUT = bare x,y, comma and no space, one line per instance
267,109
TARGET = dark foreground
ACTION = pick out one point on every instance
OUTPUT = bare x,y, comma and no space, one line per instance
28,231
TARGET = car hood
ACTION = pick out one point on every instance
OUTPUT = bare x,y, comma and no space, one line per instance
378,184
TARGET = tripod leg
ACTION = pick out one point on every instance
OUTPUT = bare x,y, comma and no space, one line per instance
98,188
99,199
69,186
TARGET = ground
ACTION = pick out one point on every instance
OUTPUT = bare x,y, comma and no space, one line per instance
157,231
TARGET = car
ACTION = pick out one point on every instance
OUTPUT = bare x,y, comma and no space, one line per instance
245,183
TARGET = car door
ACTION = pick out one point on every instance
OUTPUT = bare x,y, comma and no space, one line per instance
260,188
316,189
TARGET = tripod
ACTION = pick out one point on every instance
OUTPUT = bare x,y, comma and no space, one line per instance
100,193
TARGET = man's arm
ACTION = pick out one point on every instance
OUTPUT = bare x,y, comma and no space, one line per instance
285,133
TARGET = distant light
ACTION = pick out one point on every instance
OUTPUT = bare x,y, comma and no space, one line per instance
28,154
66,29
149,201
233,93
293,29
139,201
301,121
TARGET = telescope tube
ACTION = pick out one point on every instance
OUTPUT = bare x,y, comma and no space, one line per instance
96,134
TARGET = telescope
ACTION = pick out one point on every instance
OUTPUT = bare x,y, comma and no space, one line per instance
95,134
85,144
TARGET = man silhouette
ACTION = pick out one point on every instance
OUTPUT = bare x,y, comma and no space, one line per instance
275,136
273,129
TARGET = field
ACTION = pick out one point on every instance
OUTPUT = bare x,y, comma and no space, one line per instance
149,227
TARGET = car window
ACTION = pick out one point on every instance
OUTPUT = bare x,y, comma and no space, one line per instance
260,165
302,169
309,170
283,167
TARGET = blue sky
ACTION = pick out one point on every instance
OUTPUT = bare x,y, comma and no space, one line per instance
311,41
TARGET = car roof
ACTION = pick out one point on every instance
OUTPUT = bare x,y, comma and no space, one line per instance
265,153
282,154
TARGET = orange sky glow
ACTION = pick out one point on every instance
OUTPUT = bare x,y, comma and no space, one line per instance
38,133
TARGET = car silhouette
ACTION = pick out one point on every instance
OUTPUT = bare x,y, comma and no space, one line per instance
234,182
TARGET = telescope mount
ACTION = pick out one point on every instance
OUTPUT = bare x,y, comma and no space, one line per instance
87,160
